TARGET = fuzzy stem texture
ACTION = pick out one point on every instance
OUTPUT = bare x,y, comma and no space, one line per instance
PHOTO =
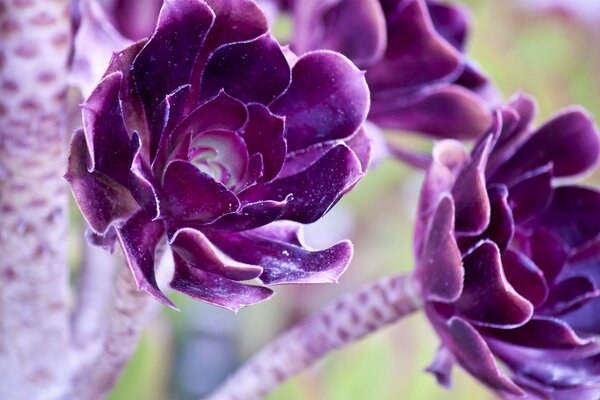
35,42
351,318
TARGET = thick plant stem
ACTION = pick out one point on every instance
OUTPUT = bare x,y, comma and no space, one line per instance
351,318
35,42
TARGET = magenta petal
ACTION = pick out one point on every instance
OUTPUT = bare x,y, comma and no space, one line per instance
253,71
215,289
139,237
264,134
527,279
166,61
170,111
101,200
473,354
470,195
107,139
199,253
285,263
569,140
487,298
361,143
440,271
327,99
573,214
193,195
443,112
415,53
441,366
316,189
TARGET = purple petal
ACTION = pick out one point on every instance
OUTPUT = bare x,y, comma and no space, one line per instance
327,99
568,295
316,189
215,289
135,18
199,253
415,54
169,114
470,195
487,298
264,134
545,249
107,139
573,214
450,21
527,279
569,140
320,25
139,237
254,71
541,333
166,61
194,195
133,109
443,112
252,216
220,112
473,354
439,270
441,366
585,318
285,263
361,143
101,200
531,194
501,227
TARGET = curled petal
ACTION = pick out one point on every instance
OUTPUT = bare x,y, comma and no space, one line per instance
531,194
473,353
573,214
167,59
316,189
545,249
487,298
193,195
252,215
568,295
570,141
199,253
527,279
450,21
439,271
284,262
101,200
264,134
327,99
448,111
441,366
215,289
470,195
106,136
415,53
254,71
139,237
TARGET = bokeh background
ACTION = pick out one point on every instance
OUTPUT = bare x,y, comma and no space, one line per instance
536,46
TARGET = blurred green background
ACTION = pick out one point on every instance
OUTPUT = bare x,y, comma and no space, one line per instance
183,354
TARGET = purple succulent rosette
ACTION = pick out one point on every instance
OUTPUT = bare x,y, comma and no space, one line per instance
413,52
509,256
206,134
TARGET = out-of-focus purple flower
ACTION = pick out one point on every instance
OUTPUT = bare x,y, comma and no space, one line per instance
509,258
412,50
586,11
206,133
